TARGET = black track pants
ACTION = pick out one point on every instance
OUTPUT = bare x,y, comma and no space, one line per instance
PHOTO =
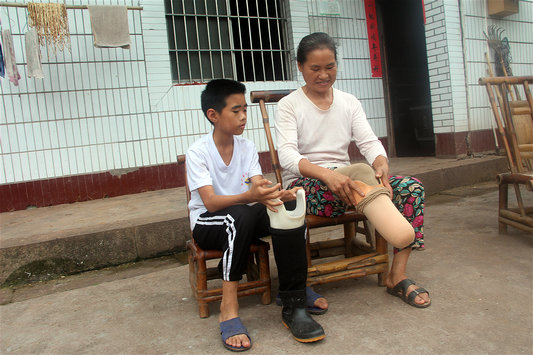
232,230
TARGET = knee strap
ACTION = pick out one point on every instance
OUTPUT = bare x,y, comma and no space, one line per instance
371,193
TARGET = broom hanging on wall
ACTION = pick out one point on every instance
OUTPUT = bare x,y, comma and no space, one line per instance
51,22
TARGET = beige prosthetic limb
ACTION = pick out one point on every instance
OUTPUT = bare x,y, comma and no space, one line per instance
377,206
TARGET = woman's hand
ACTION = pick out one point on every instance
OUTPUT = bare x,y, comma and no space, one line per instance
262,193
289,195
381,166
343,187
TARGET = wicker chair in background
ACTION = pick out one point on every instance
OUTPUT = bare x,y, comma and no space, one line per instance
512,106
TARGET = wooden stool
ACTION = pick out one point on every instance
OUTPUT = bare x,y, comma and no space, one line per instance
257,275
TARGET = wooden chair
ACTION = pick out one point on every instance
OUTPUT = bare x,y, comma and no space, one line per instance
374,260
257,275
514,118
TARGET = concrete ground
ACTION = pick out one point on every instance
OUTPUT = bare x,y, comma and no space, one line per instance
480,283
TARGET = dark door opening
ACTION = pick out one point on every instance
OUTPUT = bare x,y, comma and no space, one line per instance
405,76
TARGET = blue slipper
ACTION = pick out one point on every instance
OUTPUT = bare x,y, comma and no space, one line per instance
312,296
233,327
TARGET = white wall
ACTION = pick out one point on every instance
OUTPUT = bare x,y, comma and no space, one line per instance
105,109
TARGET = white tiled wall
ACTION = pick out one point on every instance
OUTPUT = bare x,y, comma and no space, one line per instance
519,31
456,58
89,113
104,109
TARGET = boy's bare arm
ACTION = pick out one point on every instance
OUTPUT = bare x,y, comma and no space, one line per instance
259,192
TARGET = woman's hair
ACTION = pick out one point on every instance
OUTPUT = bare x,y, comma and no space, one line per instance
317,40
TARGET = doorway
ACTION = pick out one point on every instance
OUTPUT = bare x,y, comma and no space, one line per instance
406,78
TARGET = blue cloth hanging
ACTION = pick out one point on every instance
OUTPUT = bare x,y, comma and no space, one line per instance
2,65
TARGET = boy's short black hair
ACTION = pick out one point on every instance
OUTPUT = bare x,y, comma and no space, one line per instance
216,91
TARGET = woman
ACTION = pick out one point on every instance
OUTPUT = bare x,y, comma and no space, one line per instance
314,127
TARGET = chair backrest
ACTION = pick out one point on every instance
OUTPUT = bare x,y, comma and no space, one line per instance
181,160
514,118
262,97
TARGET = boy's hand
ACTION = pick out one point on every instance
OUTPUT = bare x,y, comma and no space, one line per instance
268,196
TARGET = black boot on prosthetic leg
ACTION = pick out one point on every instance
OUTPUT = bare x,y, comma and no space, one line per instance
295,317
288,241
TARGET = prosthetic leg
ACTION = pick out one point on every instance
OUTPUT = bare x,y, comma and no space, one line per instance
377,206
288,240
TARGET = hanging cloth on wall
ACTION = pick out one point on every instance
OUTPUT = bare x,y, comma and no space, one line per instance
110,26
51,23
11,61
33,55
2,65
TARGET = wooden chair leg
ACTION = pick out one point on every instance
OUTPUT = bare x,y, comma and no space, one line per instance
192,269
308,248
503,204
201,285
381,248
252,272
203,309
264,274
349,235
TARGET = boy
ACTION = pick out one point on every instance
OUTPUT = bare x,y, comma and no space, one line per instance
224,178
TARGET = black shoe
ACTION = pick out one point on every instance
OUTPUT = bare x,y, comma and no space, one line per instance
295,317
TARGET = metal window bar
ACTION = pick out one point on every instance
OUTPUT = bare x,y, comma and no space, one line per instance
198,40
231,40
220,40
261,38
186,40
252,54
269,39
174,37
240,41
209,39
282,58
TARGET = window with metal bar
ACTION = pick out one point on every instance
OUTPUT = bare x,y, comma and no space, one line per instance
243,40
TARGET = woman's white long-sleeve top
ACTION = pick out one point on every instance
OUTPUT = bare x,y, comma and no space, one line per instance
304,131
